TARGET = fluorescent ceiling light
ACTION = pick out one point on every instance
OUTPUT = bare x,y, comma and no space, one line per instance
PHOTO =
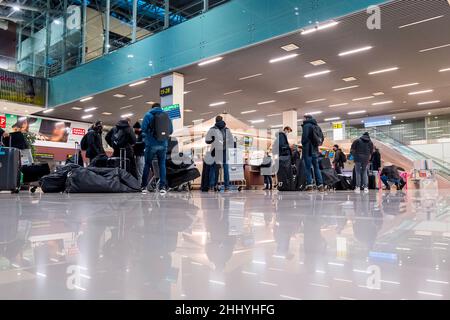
205,113
383,70
106,113
77,108
274,114
290,47
382,103
287,90
332,119
150,102
48,110
349,79
277,126
130,56
320,27
318,63
345,88
257,121
428,102
283,58
210,61
87,116
420,92
196,81
435,48
198,120
119,95
378,93
317,100
346,53
187,110
418,22
86,99
137,83
266,102
357,112
186,92
248,111
312,113
232,92
57,21
309,75
215,104
137,97
16,8
338,105
363,98
126,107
252,76
406,85
126,115
444,70
90,109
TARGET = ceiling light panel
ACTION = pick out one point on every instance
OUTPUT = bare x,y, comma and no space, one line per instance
248,111
288,90
204,63
126,107
349,79
232,92
382,103
87,116
90,109
356,112
137,83
319,27
106,113
197,81
216,104
251,76
77,108
405,85
332,119
317,100
266,102
86,99
136,97
315,74
363,98
383,71
338,105
419,22
353,51
428,102
290,47
345,88
119,95
318,63
435,48
420,92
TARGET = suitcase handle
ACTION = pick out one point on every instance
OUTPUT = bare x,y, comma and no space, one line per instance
123,158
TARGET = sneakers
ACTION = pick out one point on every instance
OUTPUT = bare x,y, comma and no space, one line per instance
163,190
366,190
321,188
358,190
309,187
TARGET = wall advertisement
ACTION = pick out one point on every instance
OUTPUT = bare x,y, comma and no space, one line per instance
21,88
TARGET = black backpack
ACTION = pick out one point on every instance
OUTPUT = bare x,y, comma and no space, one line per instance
84,143
343,157
119,139
161,126
317,137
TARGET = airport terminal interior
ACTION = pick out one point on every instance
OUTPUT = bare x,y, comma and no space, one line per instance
369,68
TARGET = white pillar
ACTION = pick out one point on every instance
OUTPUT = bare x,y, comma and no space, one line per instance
176,81
290,120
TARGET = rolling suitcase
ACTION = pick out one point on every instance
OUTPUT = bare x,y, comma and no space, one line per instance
121,162
9,169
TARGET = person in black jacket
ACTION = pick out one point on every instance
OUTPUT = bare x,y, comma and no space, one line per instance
376,160
284,149
138,149
94,141
338,160
122,137
390,174
362,149
3,135
311,154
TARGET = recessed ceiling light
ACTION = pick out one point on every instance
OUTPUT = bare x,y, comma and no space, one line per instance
406,85
312,113
266,102
274,114
106,113
196,81
187,110
198,120
232,92
382,103
383,70
87,116
444,70
317,100
320,27
126,107
210,61
90,109
77,108
394,117
435,48
417,22
257,121
428,102
86,99
290,47
248,111
332,119
186,92
318,63
215,104
252,76
420,92
126,115
205,113
363,98
349,79
376,94
345,88
119,95
346,53
48,110
356,112
315,74
338,105
137,97
287,90
16,8
137,83
283,58
429,113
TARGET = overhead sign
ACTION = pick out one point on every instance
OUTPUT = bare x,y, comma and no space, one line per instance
337,125
166,91
173,111
377,123
21,88
338,131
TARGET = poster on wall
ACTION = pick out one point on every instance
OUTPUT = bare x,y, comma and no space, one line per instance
21,88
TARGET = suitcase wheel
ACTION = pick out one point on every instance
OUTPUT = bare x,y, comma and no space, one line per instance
16,190
33,189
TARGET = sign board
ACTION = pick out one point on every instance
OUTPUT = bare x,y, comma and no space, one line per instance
16,87
337,125
166,91
173,111
377,123
338,131
2,122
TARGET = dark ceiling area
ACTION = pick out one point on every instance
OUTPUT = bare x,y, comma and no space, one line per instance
412,48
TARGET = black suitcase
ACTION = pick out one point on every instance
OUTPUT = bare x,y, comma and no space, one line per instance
34,172
205,176
285,175
372,182
9,169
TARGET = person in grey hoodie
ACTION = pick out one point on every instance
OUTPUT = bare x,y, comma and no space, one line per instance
361,150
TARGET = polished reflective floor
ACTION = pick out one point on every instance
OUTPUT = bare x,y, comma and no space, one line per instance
249,245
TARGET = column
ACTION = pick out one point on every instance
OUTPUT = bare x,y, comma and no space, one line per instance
290,120
134,22
175,82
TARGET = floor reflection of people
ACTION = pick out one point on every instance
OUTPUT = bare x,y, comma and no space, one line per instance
392,203
287,224
368,220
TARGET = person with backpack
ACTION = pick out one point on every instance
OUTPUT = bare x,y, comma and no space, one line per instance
361,150
92,141
122,137
156,130
312,139
339,159
139,148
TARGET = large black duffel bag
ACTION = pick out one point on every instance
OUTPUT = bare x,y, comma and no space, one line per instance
101,180
285,174
330,177
34,172
56,182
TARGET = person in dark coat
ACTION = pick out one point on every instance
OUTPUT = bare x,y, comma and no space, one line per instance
376,160
138,149
284,149
361,150
390,174
3,135
338,161
311,154
94,141
129,140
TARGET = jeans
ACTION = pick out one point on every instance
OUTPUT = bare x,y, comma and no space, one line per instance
268,181
150,152
361,171
213,178
386,181
140,163
311,162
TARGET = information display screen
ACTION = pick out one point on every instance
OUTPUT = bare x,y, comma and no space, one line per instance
173,111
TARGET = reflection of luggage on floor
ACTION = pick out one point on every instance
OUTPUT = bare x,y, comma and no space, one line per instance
330,178
344,184
56,182
285,175
9,169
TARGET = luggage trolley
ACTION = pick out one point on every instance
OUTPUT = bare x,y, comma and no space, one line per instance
236,171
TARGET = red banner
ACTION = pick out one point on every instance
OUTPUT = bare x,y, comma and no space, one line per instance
2,122
78,131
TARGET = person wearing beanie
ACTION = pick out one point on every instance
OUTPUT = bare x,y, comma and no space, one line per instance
339,159
94,141
362,149
139,148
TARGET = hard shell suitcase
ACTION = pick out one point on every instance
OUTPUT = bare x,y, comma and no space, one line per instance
9,169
